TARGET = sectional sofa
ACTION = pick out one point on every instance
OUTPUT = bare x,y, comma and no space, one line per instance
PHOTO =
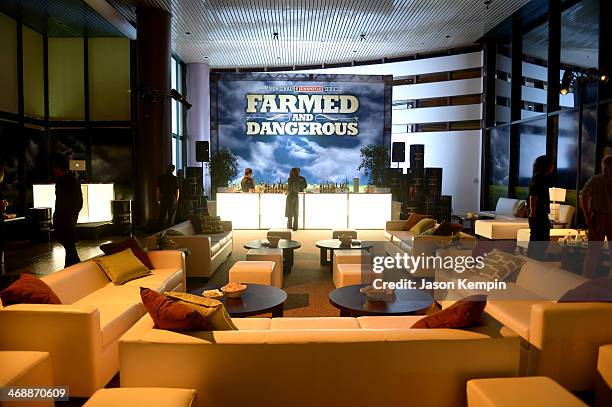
559,340
319,361
82,334
206,251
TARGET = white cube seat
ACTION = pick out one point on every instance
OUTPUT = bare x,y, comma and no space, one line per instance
26,369
348,274
282,233
254,272
269,254
336,233
351,257
533,391
143,396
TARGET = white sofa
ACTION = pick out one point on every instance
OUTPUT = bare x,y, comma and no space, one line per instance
82,333
501,224
26,369
206,251
319,361
560,340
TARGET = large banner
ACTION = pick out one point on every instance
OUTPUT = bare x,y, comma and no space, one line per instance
319,123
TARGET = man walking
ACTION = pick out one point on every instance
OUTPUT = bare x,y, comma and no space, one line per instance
68,204
167,196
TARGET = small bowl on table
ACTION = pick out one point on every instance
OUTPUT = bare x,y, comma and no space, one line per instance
233,290
273,241
345,240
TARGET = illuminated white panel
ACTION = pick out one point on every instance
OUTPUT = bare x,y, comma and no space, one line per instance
438,89
438,114
272,211
99,197
241,209
96,201
369,211
325,211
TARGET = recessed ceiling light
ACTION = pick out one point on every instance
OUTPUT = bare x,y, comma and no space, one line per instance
354,50
275,35
448,36
362,37
205,56
188,32
278,58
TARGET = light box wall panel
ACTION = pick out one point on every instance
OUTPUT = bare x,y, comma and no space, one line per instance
109,78
66,82
33,74
8,66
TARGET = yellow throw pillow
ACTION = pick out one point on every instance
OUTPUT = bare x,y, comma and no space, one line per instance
422,226
122,267
213,310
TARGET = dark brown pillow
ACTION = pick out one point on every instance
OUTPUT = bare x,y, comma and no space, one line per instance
413,219
28,290
131,243
171,314
462,314
447,229
597,290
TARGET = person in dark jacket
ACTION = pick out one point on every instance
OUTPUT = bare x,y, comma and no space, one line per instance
247,184
539,207
3,206
292,204
168,195
68,204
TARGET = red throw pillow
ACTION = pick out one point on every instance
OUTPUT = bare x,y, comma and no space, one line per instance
172,315
29,290
131,243
462,314
597,290
413,219
447,229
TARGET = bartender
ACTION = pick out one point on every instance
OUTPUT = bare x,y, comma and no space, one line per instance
248,183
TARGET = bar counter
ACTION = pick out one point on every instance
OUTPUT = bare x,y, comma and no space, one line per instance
317,210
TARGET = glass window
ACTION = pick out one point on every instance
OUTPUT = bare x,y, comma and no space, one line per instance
503,78
500,164
532,144
535,72
177,114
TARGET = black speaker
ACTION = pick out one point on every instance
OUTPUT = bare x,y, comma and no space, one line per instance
202,151
398,152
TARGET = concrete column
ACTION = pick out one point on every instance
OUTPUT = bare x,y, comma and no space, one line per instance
198,117
153,144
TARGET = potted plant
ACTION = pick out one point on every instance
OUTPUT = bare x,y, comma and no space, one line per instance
375,162
223,169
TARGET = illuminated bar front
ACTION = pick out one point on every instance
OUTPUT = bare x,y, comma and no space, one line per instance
96,201
317,210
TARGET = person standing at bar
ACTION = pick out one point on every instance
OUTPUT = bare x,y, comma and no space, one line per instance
292,204
539,207
303,183
248,183
68,204
3,206
167,195
596,199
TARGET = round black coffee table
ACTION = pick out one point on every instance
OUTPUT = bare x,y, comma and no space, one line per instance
288,246
353,303
329,245
257,299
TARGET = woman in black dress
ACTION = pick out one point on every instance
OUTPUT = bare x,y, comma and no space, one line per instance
292,205
539,207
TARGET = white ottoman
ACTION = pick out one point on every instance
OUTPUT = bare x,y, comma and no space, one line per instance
282,233
26,369
267,254
534,391
351,257
603,384
336,233
143,396
255,272
349,274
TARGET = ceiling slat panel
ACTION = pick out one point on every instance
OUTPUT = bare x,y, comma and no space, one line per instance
239,33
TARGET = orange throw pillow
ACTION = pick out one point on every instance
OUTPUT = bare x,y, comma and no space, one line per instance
172,315
462,314
413,219
28,290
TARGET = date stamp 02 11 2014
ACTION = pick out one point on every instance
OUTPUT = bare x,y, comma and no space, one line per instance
23,393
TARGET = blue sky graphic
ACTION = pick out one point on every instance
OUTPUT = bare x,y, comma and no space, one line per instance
320,158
